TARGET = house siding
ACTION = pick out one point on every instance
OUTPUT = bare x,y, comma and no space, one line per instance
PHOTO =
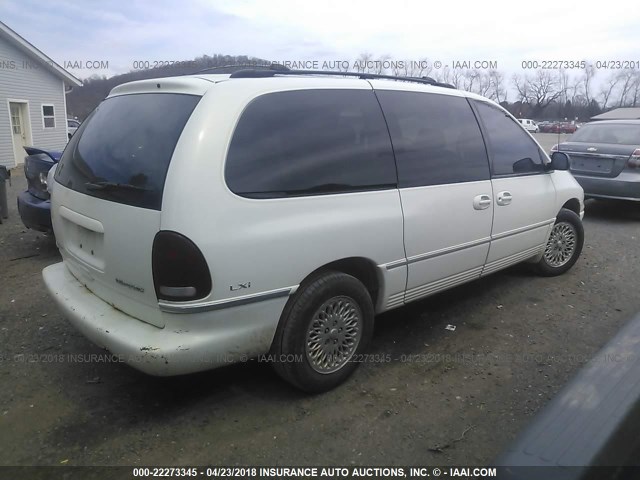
37,86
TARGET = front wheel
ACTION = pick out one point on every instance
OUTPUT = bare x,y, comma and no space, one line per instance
328,324
564,245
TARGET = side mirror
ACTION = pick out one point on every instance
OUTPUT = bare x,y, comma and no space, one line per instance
559,161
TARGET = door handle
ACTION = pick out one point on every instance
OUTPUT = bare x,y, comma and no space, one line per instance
481,202
504,198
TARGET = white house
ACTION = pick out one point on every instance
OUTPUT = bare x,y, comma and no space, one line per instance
33,108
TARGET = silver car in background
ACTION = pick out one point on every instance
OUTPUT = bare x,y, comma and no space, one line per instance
605,158
72,126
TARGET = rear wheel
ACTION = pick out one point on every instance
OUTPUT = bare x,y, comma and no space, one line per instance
564,245
329,321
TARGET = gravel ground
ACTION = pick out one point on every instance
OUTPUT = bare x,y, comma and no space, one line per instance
445,398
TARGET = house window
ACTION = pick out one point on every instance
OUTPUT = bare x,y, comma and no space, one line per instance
48,116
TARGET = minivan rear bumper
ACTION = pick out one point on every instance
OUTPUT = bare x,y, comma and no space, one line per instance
188,342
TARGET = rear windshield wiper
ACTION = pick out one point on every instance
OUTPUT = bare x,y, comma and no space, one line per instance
114,186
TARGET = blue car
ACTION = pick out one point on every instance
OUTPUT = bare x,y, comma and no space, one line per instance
34,204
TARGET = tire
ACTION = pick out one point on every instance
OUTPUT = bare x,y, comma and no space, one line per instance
558,258
329,297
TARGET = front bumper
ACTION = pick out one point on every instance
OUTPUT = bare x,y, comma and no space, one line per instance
625,186
34,212
188,342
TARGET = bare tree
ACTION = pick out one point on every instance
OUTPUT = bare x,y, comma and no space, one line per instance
587,78
457,76
484,84
635,90
539,90
498,91
563,81
379,66
627,80
477,81
544,88
412,68
608,88
362,62
424,68
443,75
468,79
522,87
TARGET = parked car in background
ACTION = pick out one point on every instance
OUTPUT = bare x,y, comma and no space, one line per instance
529,125
34,204
605,158
545,127
326,214
72,126
563,127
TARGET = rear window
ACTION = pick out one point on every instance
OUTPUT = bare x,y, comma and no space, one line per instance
310,142
121,153
623,134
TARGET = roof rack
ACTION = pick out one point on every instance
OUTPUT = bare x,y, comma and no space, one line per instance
281,70
222,67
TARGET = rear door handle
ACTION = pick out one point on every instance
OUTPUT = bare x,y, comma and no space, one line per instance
504,198
481,202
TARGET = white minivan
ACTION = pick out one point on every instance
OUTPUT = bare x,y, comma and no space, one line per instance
529,125
209,219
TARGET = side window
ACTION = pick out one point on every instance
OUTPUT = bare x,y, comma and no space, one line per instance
436,138
513,151
309,142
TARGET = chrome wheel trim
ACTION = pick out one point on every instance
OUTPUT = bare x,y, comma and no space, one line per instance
333,334
561,245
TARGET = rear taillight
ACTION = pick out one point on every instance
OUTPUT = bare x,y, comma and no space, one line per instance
180,271
36,168
634,159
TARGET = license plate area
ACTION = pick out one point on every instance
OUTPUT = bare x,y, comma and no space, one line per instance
85,244
592,165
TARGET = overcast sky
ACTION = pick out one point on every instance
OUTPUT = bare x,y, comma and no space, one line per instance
508,32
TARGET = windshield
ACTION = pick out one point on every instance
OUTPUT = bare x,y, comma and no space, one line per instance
128,141
620,133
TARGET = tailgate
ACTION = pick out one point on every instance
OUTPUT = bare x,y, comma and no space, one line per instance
108,196
107,247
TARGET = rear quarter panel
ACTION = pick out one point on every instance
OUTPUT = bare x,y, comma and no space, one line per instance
271,243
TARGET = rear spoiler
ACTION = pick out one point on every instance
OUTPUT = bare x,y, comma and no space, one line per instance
55,156
592,423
